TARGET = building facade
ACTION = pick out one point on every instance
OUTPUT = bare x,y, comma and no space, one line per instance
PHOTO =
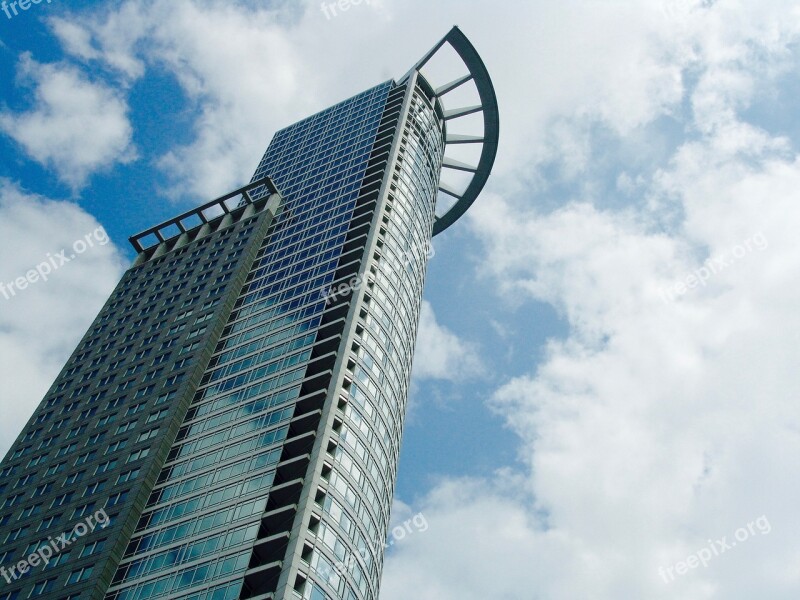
230,425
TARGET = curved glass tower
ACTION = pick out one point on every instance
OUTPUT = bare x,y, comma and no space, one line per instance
233,417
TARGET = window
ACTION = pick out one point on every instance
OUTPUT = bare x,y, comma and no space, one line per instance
13,536
58,559
54,401
181,363
37,460
79,575
11,501
29,511
138,454
189,348
118,498
64,450
83,510
106,420
48,522
135,409
23,481
42,489
196,332
59,424
43,587
88,413
145,391
126,427
147,435
76,431
62,500
97,396
89,375
166,397
86,457
143,354
47,442
176,329
92,548
105,467
164,346
44,416
128,476
175,379
204,318
79,392
161,359
96,438
115,402
152,375
190,301
125,385
114,446
134,369
74,478
94,488
152,418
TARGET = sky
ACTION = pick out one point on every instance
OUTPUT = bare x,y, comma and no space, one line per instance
605,396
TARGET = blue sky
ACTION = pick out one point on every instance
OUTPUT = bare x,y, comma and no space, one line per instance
572,434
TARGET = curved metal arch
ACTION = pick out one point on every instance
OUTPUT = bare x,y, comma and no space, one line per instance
491,121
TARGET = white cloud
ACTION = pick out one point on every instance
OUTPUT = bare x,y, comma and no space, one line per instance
251,69
655,425
652,428
440,354
74,126
41,325
114,44
238,67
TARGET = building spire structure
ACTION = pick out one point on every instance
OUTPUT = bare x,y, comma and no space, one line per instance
487,107
232,419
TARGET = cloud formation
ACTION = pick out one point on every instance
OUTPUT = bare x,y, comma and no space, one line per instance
441,354
41,325
74,126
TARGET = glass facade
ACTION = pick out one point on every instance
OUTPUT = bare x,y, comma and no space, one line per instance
347,550
203,516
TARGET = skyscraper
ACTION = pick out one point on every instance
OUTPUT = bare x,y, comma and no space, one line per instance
230,425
